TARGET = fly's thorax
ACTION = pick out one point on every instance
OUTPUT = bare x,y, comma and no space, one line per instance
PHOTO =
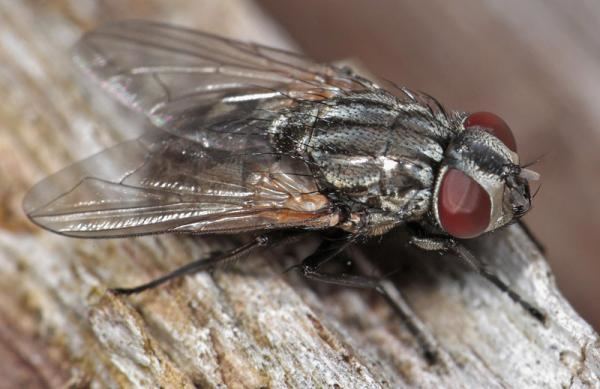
362,154
290,132
369,151
476,158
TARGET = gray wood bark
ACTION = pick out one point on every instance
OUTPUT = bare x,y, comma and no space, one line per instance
249,325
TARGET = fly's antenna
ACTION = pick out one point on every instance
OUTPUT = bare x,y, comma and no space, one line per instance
536,191
538,159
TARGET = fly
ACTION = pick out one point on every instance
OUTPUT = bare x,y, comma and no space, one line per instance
247,138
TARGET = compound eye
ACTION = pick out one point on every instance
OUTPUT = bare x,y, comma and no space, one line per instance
463,205
494,125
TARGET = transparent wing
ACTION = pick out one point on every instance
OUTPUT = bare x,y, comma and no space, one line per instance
164,183
186,81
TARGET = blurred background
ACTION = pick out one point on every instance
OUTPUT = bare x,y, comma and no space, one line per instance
535,63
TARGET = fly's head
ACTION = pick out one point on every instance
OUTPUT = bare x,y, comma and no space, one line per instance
480,185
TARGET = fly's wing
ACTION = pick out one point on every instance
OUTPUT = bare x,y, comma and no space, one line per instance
210,167
164,183
194,84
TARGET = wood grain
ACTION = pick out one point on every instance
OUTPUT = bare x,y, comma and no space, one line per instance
245,326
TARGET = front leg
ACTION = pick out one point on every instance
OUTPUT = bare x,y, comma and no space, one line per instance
449,245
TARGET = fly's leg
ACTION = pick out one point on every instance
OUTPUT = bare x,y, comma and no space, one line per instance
328,250
205,263
532,237
453,247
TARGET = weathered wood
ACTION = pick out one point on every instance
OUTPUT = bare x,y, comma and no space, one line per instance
248,326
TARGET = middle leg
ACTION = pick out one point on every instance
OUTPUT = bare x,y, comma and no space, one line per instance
328,250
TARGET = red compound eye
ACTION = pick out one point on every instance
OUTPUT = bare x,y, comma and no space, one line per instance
494,125
463,205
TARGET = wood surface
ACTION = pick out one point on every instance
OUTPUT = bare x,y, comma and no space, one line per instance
247,325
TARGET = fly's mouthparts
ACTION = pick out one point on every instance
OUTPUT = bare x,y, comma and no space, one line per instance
529,175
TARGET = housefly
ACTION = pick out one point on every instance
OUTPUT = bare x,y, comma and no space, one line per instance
246,138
